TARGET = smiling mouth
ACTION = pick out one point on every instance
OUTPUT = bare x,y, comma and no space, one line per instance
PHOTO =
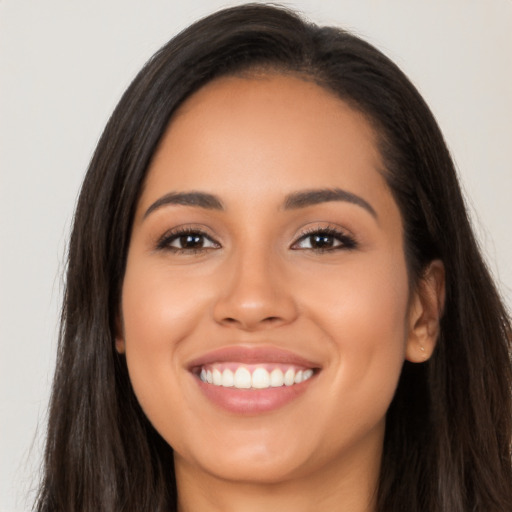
252,380
247,377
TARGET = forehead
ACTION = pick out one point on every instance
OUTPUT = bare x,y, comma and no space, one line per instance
261,103
274,132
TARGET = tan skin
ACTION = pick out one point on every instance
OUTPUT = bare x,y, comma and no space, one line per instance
258,277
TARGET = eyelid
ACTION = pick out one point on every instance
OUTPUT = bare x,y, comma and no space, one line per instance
163,242
346,239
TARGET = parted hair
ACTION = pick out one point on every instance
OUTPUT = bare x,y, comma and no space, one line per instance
447,444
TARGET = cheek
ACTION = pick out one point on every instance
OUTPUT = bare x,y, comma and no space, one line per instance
161,303
157,316
364,300
362,310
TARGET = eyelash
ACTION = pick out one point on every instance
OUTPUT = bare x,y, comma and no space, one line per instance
346,242
164,243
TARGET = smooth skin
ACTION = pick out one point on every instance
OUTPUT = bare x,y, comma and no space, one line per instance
327,281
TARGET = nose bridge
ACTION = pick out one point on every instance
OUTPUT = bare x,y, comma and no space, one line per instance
255,294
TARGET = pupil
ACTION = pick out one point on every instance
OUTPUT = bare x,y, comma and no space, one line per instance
322,241
191,241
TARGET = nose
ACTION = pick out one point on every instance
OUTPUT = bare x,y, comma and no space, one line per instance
255,294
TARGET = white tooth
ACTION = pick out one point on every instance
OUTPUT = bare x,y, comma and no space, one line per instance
202,375
260,378
227,378
289,377
242,378
217,377
298,377
276,378
307,374
209,377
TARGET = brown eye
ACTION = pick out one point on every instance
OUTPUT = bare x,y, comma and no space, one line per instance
325,240
187,241
322,241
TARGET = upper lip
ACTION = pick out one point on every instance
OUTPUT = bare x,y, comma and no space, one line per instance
252,355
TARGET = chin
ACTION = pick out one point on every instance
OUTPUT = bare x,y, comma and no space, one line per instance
256,469
259,456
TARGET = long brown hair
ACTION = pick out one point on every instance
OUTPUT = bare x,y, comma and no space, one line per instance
449,428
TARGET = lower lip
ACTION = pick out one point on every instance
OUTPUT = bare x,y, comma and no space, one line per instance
252,401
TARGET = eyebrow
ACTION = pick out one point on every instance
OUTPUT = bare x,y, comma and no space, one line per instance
292,201
200,199
316,196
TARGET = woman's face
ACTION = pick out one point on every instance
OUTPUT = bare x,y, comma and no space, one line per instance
265,314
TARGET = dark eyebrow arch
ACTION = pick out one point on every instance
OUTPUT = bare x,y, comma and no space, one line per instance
316,196
200,199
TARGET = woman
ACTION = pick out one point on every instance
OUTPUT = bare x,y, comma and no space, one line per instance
274,297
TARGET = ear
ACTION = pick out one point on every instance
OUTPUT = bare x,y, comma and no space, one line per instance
119,335
425,312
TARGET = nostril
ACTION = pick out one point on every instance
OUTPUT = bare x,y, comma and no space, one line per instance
269,320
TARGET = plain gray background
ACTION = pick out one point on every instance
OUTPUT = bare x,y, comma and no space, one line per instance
64,65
